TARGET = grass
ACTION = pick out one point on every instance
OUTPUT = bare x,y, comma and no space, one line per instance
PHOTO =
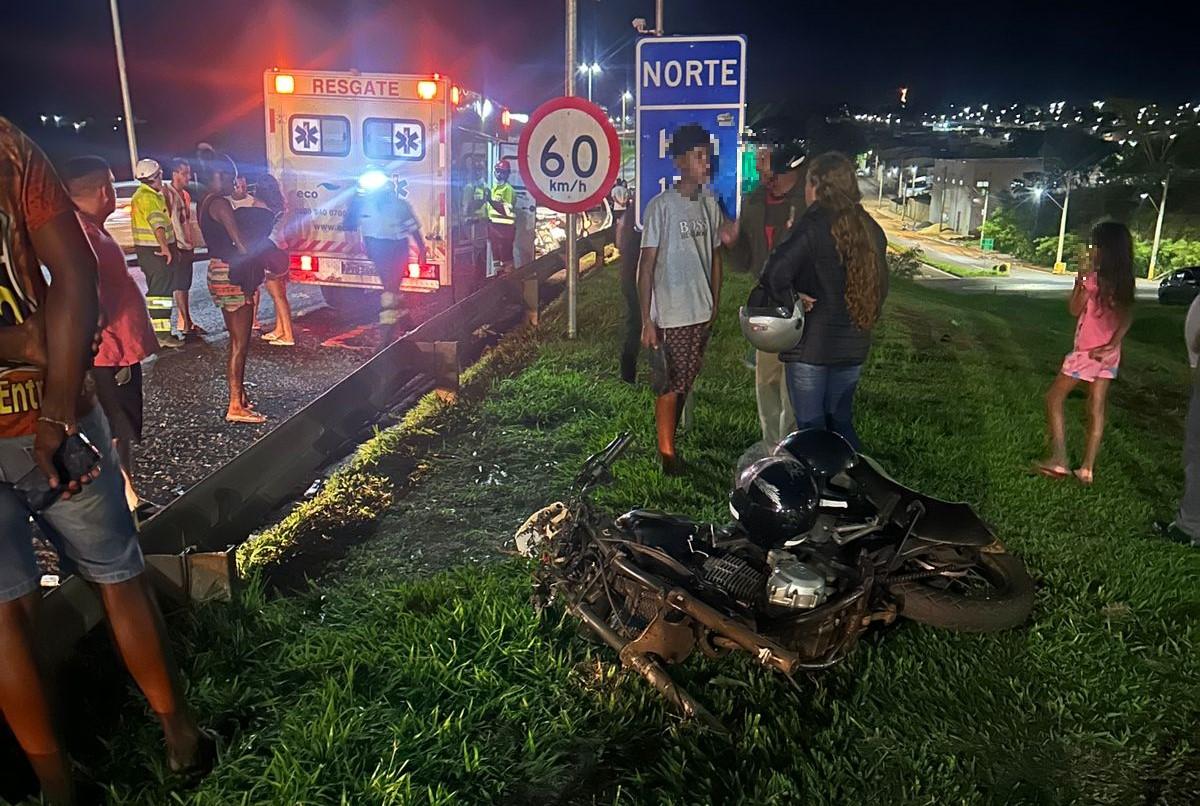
392,682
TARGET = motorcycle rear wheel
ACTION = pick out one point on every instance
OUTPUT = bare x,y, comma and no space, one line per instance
1002,599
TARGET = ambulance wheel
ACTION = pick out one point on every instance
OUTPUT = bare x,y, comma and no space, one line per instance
350,300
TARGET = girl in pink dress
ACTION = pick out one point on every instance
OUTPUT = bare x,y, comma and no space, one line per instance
1103,302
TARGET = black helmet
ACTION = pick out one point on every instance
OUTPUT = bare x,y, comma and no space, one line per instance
787,156
824,451
775,499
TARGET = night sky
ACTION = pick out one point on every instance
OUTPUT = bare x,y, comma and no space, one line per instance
196,66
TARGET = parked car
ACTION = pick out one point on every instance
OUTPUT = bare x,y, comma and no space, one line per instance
118,224
1180,287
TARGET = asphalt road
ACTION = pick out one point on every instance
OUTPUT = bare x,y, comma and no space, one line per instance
185,436
1021,280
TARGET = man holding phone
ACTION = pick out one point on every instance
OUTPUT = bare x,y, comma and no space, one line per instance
49,472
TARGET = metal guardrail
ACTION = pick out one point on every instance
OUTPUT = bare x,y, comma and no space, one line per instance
220,511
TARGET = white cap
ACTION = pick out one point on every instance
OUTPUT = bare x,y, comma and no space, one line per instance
146,169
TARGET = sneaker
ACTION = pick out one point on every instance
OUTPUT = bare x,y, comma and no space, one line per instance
170,342
1170,531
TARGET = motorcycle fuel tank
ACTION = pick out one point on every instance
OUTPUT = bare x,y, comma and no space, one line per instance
793,584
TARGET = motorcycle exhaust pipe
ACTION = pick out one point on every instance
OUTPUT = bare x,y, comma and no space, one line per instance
768,652
648,668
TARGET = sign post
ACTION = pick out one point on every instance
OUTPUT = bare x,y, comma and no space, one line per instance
690,79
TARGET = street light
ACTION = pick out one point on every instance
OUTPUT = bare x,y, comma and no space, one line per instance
590,70
626,97
1038,194
1161,207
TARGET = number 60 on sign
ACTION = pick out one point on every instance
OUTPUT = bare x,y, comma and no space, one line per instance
569,155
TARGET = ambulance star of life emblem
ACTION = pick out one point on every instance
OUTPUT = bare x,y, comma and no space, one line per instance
408,140
306,135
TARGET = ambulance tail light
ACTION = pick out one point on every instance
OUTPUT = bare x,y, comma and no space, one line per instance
455,96
285,83
505,119
422,271
427,90
304,263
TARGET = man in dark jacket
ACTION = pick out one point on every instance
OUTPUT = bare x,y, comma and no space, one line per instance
769,214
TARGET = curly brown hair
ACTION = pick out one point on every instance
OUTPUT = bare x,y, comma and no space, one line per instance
836,186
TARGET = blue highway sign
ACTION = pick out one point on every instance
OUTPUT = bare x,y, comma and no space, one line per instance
690,79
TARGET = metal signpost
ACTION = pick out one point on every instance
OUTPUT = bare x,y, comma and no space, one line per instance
690,79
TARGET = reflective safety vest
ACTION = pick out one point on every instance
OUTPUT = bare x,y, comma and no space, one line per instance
475,202
501,210
148,212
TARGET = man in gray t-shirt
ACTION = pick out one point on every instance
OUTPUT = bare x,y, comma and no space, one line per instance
679,280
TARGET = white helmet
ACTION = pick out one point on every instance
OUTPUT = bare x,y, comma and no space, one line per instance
772,330
146,169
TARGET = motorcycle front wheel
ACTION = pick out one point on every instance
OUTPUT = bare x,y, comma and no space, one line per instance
994,593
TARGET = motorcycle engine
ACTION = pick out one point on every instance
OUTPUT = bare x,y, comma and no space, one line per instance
792,584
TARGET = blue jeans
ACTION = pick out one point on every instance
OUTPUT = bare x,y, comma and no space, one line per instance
823,397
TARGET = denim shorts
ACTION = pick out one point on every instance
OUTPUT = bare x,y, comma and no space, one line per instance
93,531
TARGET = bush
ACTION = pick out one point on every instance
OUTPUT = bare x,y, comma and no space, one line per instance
1046,249
906,263
1003,228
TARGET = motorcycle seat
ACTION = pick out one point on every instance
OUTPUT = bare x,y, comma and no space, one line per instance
671,533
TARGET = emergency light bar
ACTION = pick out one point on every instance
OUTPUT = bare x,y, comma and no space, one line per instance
427,90
285,84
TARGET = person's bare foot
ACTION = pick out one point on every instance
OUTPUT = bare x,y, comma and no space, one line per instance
1084,475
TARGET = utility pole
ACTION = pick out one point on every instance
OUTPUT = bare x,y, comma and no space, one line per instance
120,44
658,18
1162,209
1059,266
572,244
900,191
879,173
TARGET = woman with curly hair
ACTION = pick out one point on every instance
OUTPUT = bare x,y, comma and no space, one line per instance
834,263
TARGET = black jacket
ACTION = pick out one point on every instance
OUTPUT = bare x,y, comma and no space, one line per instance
807,262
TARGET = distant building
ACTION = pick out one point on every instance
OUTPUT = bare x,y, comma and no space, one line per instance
956,198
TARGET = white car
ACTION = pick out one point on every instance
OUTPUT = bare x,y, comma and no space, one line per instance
119,224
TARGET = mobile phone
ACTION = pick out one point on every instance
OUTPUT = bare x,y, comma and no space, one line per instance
74,459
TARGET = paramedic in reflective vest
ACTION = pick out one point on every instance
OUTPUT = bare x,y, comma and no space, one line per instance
502,220
154,243
391,237
475,194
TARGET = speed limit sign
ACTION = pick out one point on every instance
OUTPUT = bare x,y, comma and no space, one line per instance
569,155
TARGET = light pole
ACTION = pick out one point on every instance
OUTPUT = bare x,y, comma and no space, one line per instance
1038,194
1161,207
572,244
626,96
120,44
590,70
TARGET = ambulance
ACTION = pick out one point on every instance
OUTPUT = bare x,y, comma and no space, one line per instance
329,132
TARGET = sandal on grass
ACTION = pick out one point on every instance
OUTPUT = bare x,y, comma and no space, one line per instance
1051,470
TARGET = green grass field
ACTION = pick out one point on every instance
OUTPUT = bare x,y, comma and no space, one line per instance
391,681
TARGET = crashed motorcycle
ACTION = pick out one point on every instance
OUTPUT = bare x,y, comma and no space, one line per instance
824,545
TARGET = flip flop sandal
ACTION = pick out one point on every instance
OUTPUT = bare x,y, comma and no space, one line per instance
269,337
1051,471
282,343
247,419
